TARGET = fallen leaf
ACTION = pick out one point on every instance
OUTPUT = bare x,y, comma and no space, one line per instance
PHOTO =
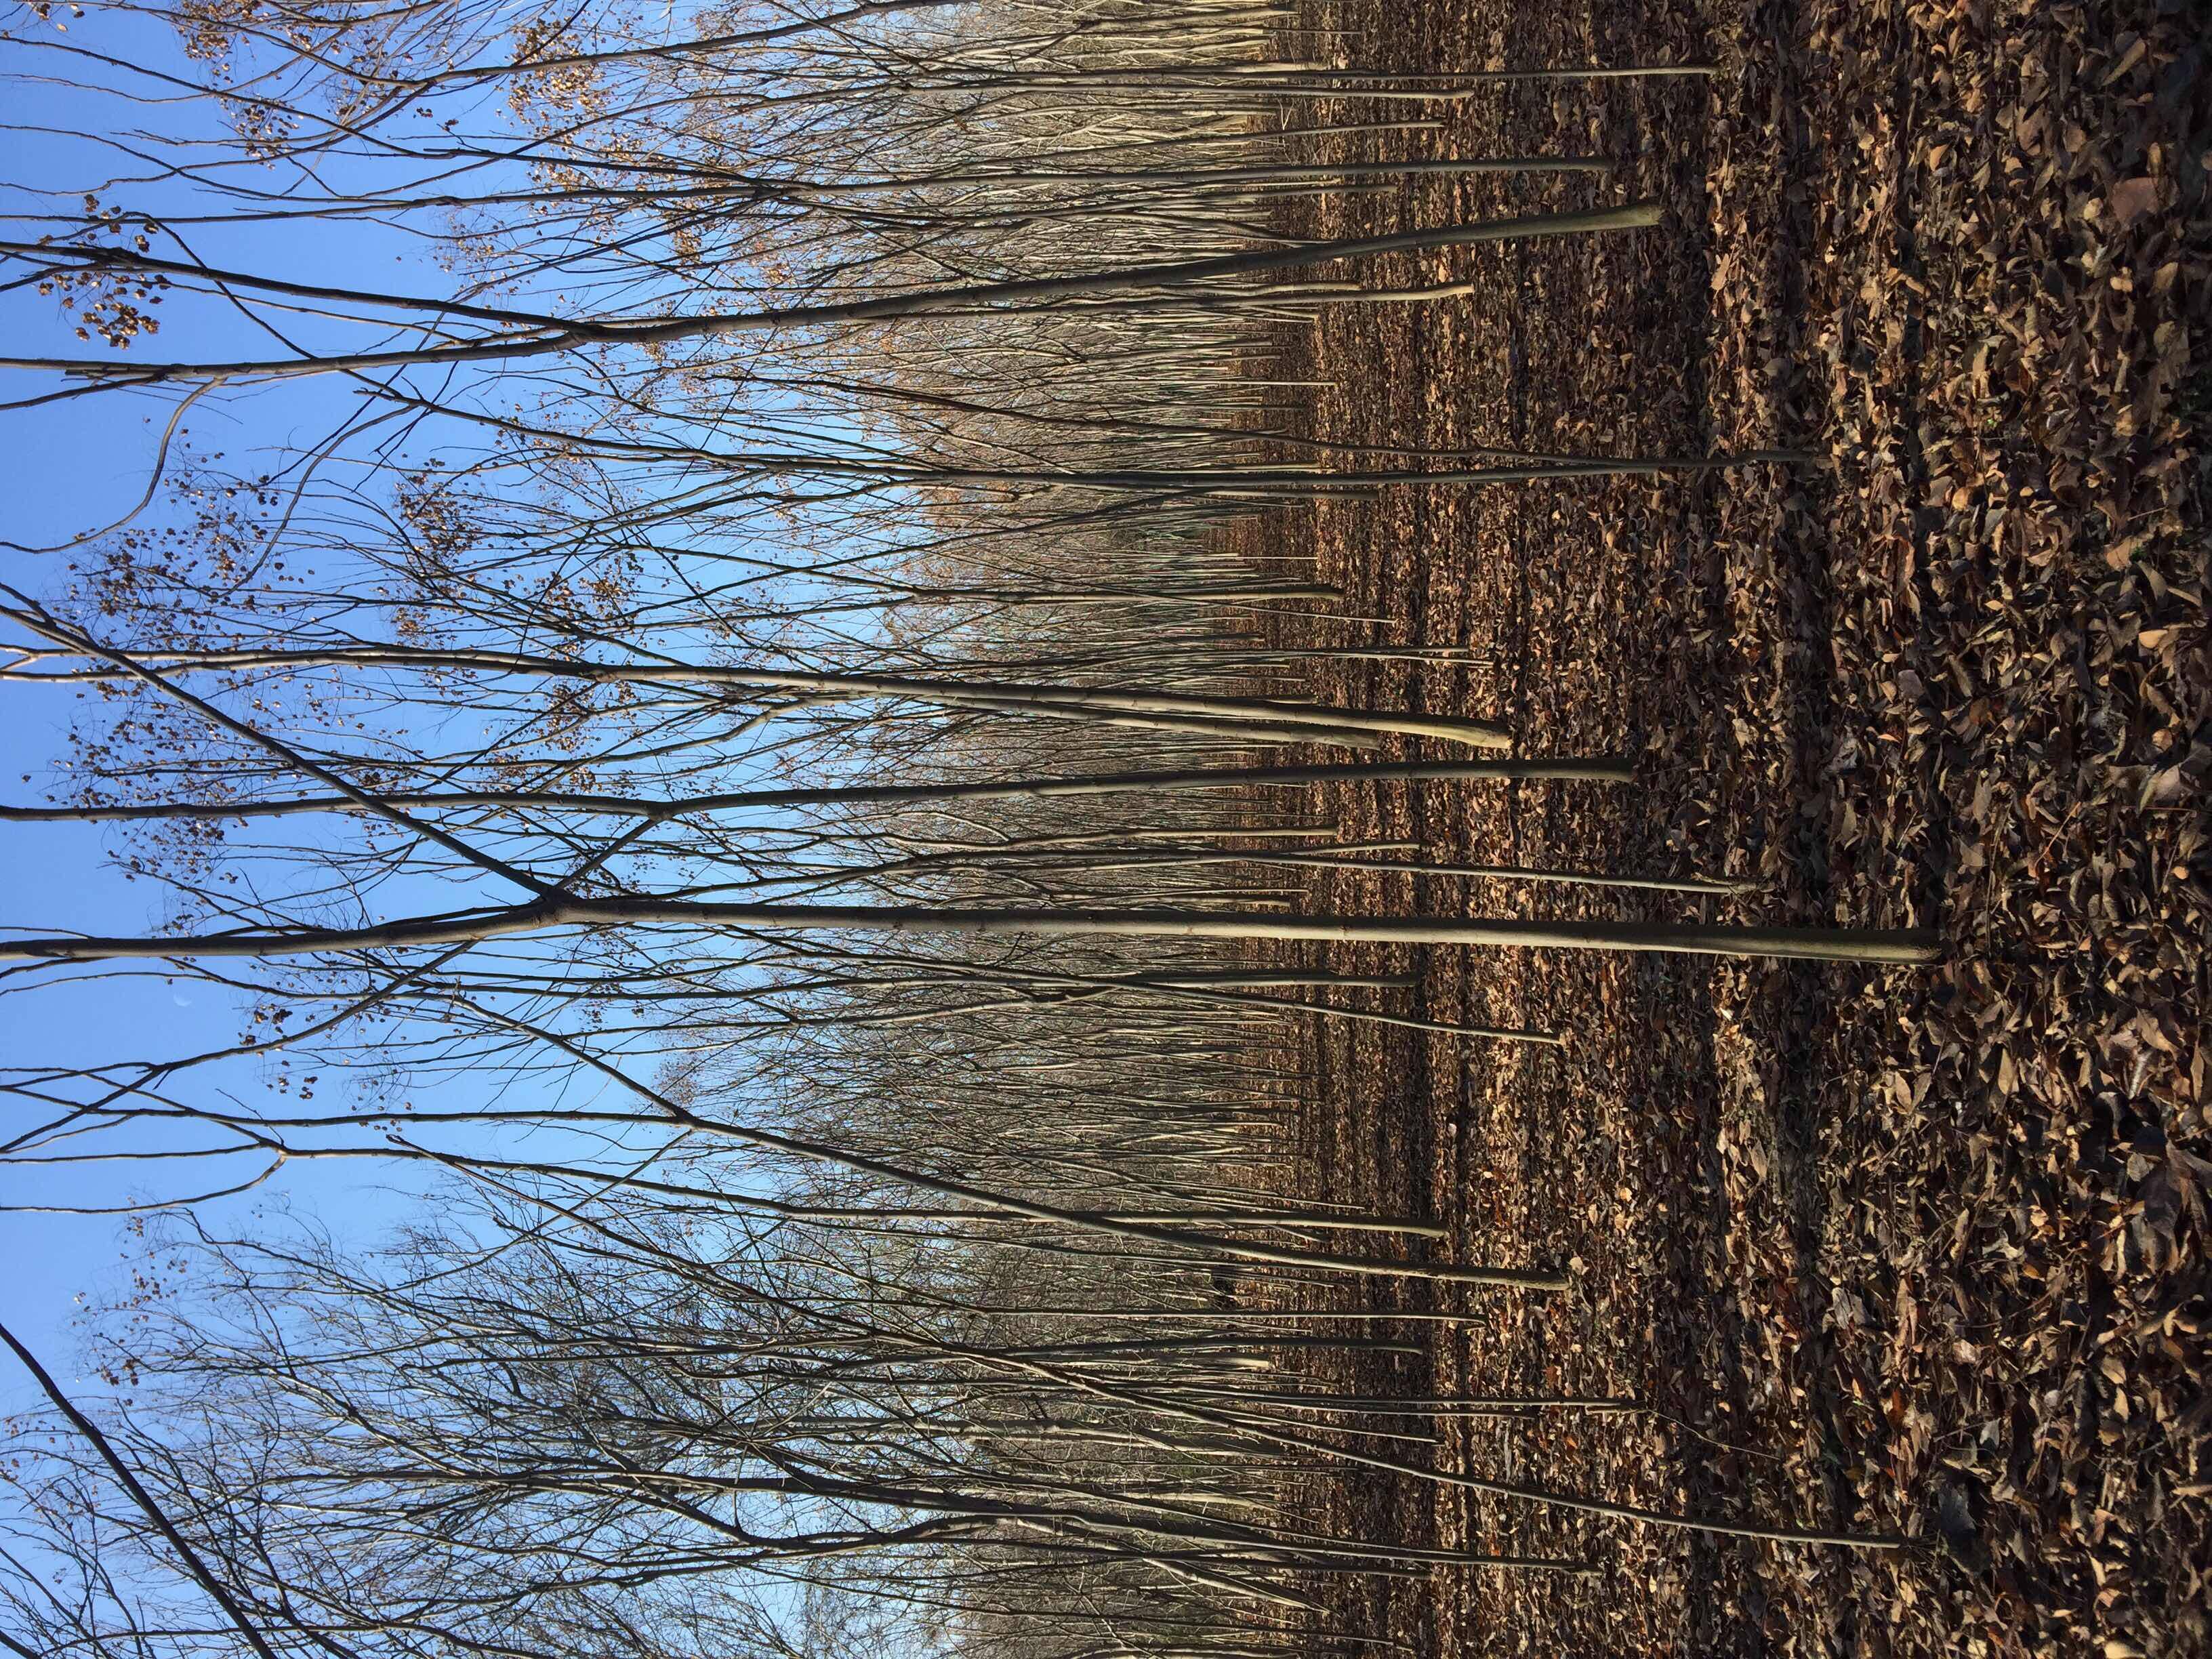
2131,198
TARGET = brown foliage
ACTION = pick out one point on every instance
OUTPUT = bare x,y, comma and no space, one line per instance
1931,1250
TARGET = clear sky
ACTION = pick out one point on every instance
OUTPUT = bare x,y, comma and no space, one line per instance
76,465
70,467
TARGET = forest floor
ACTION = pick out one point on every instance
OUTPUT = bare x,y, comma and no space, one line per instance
1916,1253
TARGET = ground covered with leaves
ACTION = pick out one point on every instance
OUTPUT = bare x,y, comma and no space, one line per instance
1919,1254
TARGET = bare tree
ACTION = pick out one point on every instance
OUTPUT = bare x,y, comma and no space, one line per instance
742,751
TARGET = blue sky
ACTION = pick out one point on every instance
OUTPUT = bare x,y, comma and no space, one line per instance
82,464
71,467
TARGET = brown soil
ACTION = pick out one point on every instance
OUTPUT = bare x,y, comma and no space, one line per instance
1911,1253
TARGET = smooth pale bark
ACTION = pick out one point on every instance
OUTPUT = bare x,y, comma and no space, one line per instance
1207,1246
1086,990
1317,1221
1896,946
1705,885
1596,770
1438,1406
1053,862
1296,481
551,335
1297,722
1261,1429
